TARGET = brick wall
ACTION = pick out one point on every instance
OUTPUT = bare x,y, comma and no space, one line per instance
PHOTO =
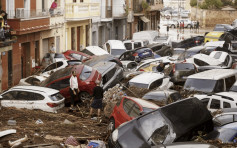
209,18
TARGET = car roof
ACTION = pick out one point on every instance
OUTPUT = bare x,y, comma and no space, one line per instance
103,66
144,103
96,50
147,77
116,44
232,95
214,33
214,74
46,90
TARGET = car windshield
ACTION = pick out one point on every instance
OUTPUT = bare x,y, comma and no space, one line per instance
151,123
139,85
86,72
78,57
203,85
57,55
87,52
56,75
160,39
56,97
234,88
117,52
183,66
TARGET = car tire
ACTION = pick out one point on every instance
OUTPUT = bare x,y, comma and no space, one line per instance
172,26
189,26
111,126
168,54
84,96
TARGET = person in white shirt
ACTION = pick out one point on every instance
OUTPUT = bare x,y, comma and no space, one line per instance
74,90
52,53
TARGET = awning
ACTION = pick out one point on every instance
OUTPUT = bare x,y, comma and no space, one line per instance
144,19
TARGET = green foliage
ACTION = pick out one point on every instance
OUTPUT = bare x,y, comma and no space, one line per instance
145,5
227,2
193,3
211,4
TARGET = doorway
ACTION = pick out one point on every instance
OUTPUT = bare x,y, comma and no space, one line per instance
9,68
37,57
58,44
73,47
25,60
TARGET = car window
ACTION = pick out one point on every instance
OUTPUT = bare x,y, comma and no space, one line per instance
235,117
156,48
131,65
137,44
127,105
12,95
73,62
60,84
229,82
183,66
109,75
215,104
135,111
175,96
219,86
128,46
53,66
56,97
226,62
204,85
86,72
205,101
87,52
156,83
78,56
224,119
32,80
226,105
57,55
159,135
200,62
108,47
29,96
217,55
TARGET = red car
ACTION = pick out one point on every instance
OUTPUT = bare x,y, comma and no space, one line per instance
76,55
86,77
129,108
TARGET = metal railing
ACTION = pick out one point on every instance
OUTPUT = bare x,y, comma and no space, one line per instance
22,13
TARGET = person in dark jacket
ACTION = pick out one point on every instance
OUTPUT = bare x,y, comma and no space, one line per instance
98,94
161,66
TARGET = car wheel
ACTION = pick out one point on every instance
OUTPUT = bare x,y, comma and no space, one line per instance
84,96
172,26
111,126
189,26
168,54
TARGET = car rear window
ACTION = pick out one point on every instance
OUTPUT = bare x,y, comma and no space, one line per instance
56,97
183,66
86,72
200,62
200,85
128,46
87,52
58,74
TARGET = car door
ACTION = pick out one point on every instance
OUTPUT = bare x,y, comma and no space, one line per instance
63,86
124,110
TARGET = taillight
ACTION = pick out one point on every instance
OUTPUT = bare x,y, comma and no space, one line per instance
52,104
197,41
135,54
173,68
141,70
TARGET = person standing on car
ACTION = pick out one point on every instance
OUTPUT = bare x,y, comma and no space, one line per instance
52,52
161,66
98,94
74,90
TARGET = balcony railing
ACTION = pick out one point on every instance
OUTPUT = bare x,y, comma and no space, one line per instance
22,13
82,10
137,8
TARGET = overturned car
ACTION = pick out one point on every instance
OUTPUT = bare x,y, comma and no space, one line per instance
177,122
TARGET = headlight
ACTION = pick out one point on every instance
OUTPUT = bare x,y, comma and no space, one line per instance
115,135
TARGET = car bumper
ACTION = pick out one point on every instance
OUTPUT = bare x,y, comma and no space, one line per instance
113,144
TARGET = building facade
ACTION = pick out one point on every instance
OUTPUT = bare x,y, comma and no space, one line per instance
35,30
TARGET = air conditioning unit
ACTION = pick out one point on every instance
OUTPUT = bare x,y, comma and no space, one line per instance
20,12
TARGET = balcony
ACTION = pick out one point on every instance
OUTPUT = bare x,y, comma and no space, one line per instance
119,11
22,13
80,11
137,8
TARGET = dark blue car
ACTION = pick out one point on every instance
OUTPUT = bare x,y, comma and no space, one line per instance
137,54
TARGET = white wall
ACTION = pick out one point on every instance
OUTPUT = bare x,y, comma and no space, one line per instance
118,8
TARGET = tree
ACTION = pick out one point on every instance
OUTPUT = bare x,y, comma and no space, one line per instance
193,3
227,2
145,6
211,4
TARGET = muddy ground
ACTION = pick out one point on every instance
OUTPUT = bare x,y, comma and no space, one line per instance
53,129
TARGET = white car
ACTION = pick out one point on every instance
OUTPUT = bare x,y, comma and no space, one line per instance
133,44
32,80
219,100
115,47
94,51
187,23
151,80
33,97
57,66
211,81
216,58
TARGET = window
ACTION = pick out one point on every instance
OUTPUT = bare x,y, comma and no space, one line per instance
215,104
155,84
219,86
29,96
229,82
200,62
86,72
217,55
60,84
226,105
135,111
108,47
226,62
10,95
127,105
205,101
56,97
76,56
53,66
137,45
109,75
128,46
73,62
